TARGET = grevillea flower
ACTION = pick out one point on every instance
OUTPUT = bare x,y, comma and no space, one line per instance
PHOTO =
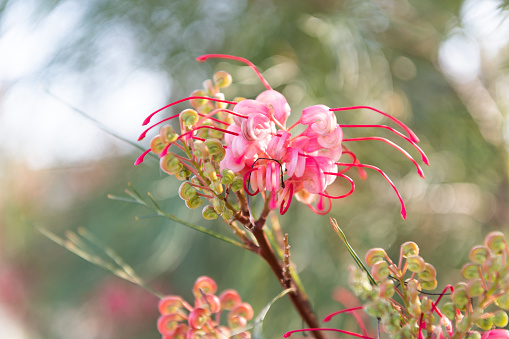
260,149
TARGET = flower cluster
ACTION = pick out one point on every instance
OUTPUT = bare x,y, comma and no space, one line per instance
244,146
181,320
395,295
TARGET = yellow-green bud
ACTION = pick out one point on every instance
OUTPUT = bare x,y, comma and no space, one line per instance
470,271
416,263
409,248
473,335
475,288
220,96
157,145
429,285
183,175
386,289
167,134
449,310
227,214
479,254
210,171
209,213
216,148
237,185
201,150
187,191
198,102
374,255
222,79
380,270
170,164
189,117
209,87
194,202
495,241
219,205
485,323
503,301
460,297
500,318
227,176
217,187
429,273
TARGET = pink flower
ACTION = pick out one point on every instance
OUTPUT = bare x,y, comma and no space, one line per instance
496,334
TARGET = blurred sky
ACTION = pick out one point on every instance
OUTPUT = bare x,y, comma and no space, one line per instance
36,128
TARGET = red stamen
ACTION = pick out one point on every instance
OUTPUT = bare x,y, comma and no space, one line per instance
329,317
421,323
247,177
320,210
147,120
202,58
410,133
141,157
344,195
282,210
398,133
144,134
288,334
361,171
387,141
403,209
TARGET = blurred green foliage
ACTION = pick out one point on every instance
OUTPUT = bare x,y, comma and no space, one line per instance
338,53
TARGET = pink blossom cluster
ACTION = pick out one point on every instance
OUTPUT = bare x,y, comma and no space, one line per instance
180,320
259,148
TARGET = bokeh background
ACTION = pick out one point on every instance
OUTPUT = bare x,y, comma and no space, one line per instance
441,66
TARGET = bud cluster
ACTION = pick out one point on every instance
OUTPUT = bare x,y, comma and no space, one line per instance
413,312
180,320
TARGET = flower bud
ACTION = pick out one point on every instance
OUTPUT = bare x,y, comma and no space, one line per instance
214,133
485,323
243,309
229,299
167,134
194,202
237,322
380,270
183,175
219,205
473,335
374,255
209,87
227,176
429,273
198,317
215,148
220,96
503,301
500,319
460,297
449,310
157,145
170,164
205,285
495,241
201,150
217,187
180,332
198,102
416,263
209,213
237,185
186,191
386,289
227,214
222,79
413,288
209,171
475,288
479,254
409,248
470,271
210,302
170,304
167,323
189,117
429,285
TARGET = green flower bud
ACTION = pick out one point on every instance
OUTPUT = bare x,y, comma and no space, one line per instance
429,273
460,297
170,164
500,319
209,87
217,187
209,171
219,205
386,289
479,254
380,270
475,288
196,181
209,213
449,310
215,146
237,185
409,248
220,96
503,301
495,241
374,255
167,134
227,177
416,264
194,202
470,271
189,117
198,102
183,175
485,323
187,191
429,285
157,145
227,214
473,335
222,79
201,150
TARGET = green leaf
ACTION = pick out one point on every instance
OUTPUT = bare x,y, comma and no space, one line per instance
258,323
